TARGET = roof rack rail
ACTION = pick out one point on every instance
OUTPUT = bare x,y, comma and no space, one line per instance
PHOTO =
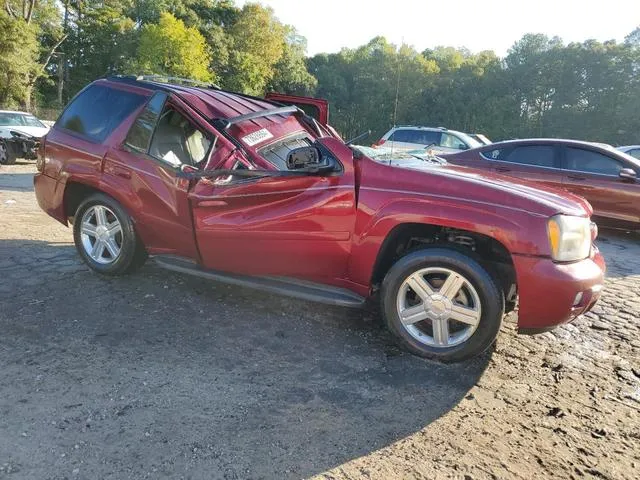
175,80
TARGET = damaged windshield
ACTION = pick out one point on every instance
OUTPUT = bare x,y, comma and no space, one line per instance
399,157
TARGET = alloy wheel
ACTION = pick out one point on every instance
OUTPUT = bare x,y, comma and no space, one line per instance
439,307
101,234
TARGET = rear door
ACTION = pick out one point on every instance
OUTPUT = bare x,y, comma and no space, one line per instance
145,166
595,176
538,163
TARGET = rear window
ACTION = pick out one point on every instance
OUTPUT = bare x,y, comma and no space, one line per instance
98,110
421,137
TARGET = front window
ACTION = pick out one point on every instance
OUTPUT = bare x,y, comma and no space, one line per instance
451,141
588,161
277,153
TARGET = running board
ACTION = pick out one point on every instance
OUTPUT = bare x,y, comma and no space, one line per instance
280,285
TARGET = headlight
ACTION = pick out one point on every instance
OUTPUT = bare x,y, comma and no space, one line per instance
569,237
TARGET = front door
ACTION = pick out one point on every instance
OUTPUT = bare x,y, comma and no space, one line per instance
595,176
285,226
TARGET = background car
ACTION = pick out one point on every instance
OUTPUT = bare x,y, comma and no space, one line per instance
606,177
20,133
480,138
633,150
411,137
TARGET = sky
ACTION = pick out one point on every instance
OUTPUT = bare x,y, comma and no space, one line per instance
330,25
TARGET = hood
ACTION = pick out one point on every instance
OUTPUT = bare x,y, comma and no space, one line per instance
479,186
37,132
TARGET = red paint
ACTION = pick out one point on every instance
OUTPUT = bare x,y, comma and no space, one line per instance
327,229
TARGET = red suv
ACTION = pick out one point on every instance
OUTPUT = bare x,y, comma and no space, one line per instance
255,193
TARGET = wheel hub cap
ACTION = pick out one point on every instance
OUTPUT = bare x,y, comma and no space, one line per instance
438,307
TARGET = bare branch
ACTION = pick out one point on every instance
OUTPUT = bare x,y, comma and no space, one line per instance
30,7
9,9
53,50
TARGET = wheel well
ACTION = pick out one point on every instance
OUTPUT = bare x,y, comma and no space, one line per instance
74,194
488,251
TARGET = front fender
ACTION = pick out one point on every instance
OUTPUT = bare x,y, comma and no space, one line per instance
519,232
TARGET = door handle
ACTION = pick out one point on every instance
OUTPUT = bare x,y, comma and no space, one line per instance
124,174
212,203
576,177
502,169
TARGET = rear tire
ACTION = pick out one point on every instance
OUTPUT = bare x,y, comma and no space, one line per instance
442,304
105,236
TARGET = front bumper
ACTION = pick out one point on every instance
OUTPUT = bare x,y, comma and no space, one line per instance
24,147
551,294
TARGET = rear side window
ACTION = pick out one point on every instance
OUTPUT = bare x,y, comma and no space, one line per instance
98,111
534,155
591,162
139,136
422,137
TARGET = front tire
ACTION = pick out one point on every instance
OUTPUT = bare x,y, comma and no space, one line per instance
442,304
7,155
105,236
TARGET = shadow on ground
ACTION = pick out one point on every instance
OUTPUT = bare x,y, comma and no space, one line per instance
156,374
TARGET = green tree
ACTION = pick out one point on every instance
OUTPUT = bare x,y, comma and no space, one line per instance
18,60
256,45
290,72
169,47
102,43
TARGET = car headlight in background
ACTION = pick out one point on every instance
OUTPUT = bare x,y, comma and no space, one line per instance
569,237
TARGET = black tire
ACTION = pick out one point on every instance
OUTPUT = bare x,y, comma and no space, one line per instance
492,304
9,156
132,252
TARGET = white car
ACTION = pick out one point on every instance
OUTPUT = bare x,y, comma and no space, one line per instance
411,137
20,133
633,150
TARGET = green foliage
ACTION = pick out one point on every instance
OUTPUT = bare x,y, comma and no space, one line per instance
255,47
290,72
19,51
169,47
101,44
49,49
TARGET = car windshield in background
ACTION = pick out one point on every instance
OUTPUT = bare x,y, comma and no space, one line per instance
472,142
19,120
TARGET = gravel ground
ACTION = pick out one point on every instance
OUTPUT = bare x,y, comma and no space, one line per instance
158,375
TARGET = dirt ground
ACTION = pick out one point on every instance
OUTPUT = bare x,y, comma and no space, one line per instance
158,375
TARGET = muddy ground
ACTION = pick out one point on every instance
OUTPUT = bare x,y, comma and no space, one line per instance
159,375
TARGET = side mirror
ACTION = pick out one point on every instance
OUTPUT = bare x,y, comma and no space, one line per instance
305,158
627,174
